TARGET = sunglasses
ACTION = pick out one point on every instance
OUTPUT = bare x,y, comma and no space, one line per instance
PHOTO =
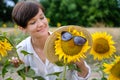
78,40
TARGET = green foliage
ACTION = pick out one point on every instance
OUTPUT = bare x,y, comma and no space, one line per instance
24,52
10,67
82,12
16,37
5,11
55,73
73,67
73,12
22,71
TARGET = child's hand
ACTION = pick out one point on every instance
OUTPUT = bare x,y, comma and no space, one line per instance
15,61
83,68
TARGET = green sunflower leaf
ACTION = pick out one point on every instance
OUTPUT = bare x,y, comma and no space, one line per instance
25,52
103,78
21,67
4,69
73,67
38,78
21,74
30,73
9,78
94,79
59,63
55,73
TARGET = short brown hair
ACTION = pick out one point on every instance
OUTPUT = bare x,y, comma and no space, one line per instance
24,11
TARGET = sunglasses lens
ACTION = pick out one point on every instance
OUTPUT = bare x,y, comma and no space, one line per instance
79,40
66,36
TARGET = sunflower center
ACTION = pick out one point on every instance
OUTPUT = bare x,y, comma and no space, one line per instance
69,48
101,46
116,70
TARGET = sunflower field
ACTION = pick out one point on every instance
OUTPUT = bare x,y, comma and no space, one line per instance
103,53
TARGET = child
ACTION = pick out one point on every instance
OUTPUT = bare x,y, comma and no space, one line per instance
30,18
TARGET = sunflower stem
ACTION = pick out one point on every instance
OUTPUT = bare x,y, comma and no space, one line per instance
103,74
101,68
64,72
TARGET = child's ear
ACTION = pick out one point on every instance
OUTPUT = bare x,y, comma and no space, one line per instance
22,29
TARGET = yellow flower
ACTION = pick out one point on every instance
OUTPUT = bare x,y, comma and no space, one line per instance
113,69
48,19
67,50
15,26
58,24
15,29
4,25
7,45
103,45
4,47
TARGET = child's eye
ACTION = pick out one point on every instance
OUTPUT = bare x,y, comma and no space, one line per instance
33,22
42,17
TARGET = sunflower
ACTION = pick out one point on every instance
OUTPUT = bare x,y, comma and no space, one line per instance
67,50
4,47
113,69
103,45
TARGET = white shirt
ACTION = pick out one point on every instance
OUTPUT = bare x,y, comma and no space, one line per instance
40,68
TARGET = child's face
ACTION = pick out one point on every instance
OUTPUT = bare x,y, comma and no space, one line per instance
38,25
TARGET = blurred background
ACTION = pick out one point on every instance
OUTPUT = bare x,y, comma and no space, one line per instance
94,15
87,13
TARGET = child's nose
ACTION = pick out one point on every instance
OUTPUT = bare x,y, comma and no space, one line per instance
40,23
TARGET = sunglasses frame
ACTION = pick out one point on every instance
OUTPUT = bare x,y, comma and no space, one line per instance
72,36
